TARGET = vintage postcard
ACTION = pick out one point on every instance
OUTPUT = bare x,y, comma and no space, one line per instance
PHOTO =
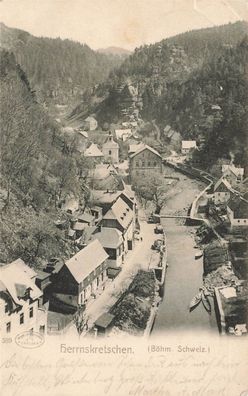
123,197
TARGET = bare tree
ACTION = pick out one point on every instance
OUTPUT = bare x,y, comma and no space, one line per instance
81,319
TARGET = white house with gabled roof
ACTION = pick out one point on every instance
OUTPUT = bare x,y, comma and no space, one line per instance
188,146
21,301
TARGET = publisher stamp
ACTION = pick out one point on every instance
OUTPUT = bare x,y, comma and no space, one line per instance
29,340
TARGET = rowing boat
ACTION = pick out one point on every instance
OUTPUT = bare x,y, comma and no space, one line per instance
195,301
198,254
206,302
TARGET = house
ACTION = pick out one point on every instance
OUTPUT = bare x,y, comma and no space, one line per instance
103,324
104,177
135,147
188,146
110,150
93,152
112,241
123,134
104,198
90,123
121,217
78,227
222,191
86,218
21,306
145,160
232,173
82,138
231,304
81,276
237,211
86,236
96,211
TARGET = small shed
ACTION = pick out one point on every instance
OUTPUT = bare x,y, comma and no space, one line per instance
104,323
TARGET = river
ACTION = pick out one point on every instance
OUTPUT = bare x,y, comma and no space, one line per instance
184,273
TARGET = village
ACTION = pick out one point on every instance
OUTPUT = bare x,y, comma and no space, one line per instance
115,282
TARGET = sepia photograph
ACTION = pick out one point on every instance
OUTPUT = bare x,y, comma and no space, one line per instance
124,197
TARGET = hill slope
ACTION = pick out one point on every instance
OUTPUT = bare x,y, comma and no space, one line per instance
38,169
57,69
176,82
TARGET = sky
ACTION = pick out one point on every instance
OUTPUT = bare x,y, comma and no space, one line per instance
122,23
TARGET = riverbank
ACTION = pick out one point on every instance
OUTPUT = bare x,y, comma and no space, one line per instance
184,274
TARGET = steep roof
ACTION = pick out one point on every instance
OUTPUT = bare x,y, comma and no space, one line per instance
93,151
108,237
84,134
188,144
145,147
90,118
238,172
86,261
135,147
17,277
239,206
121,212
86,217
222,185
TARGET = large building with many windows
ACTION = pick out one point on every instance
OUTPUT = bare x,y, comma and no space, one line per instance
21,303
145,160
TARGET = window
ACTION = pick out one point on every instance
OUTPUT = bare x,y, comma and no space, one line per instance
42,329
244,221
6,308
143,163
148,163
110,152
31,312
238,221
155,163
21,318
8,327
137,164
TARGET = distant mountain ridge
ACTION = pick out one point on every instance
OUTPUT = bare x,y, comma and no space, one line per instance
114,51
58,70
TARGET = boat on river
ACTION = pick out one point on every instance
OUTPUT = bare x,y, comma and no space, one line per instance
198,254
205,301
195,301
202,296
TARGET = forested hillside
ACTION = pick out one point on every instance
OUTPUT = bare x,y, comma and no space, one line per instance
38,169
196,82
57,69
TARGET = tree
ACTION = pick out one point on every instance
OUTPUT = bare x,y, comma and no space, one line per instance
81,319
151,187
